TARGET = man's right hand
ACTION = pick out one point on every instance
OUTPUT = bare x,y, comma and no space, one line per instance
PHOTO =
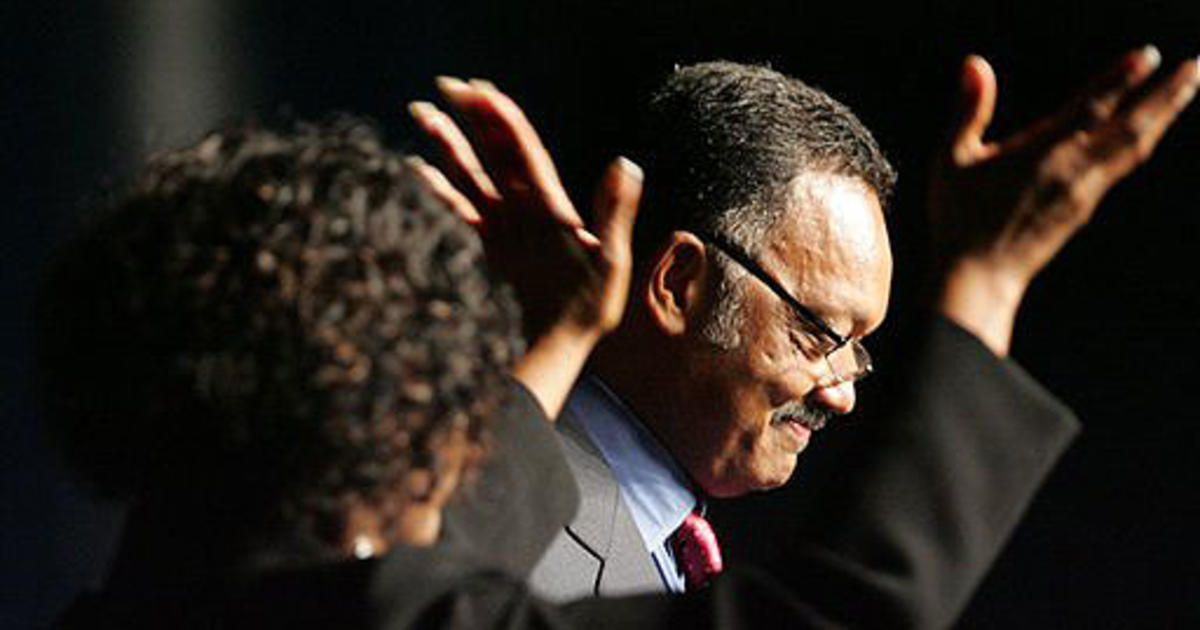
572,283
1001,210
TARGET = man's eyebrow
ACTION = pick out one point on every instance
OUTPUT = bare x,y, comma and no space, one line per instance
800,322
803,325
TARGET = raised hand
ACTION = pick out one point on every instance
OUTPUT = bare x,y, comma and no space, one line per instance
572,282
1001,210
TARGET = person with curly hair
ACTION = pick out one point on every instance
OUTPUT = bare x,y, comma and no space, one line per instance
288,356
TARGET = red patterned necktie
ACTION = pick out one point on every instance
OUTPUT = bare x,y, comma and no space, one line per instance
696,551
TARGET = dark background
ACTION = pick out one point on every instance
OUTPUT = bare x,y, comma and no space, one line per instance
90,87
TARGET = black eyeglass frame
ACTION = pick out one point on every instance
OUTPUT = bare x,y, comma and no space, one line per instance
742,258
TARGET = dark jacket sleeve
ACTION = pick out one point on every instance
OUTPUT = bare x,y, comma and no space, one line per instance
924,508
492,536
936,488
523,496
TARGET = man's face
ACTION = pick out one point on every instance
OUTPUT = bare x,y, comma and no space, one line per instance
742,426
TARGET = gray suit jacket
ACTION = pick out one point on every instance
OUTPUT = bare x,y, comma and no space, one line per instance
600,552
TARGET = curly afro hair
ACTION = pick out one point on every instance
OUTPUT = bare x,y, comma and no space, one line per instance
286,317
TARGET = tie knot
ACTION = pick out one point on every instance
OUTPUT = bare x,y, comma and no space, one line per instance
696,551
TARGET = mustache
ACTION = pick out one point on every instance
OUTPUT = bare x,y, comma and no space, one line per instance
811,417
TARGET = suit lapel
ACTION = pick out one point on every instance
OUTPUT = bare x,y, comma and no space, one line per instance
599,493
604,525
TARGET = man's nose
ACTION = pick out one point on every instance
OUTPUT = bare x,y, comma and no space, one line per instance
838,398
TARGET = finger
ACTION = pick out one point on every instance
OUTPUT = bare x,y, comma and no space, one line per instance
1098,101
443,190
1101,99
1130,137
615,205
532,163
978,105
459,158
510,149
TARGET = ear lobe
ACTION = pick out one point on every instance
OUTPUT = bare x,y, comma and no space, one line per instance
676,284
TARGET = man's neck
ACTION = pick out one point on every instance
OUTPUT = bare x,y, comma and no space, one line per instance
643,378
657,491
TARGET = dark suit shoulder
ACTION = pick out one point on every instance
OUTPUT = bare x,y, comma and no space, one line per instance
523,495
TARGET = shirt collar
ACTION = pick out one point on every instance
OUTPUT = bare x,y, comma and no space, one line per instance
657,492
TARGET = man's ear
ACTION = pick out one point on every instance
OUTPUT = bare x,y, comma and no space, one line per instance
677,282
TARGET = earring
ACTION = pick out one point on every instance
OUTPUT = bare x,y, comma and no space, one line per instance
363,547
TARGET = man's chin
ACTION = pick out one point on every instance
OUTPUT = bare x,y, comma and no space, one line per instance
760,481
780,477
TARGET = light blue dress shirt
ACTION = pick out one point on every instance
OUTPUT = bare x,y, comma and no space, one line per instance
656,491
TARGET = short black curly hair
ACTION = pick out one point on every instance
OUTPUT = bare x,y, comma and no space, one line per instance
721,141
286,315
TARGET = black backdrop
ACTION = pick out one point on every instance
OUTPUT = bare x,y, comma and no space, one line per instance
1110,542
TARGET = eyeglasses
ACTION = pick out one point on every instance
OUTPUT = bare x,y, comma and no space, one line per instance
844,366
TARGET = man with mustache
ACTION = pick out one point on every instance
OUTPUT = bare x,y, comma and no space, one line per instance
761,261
